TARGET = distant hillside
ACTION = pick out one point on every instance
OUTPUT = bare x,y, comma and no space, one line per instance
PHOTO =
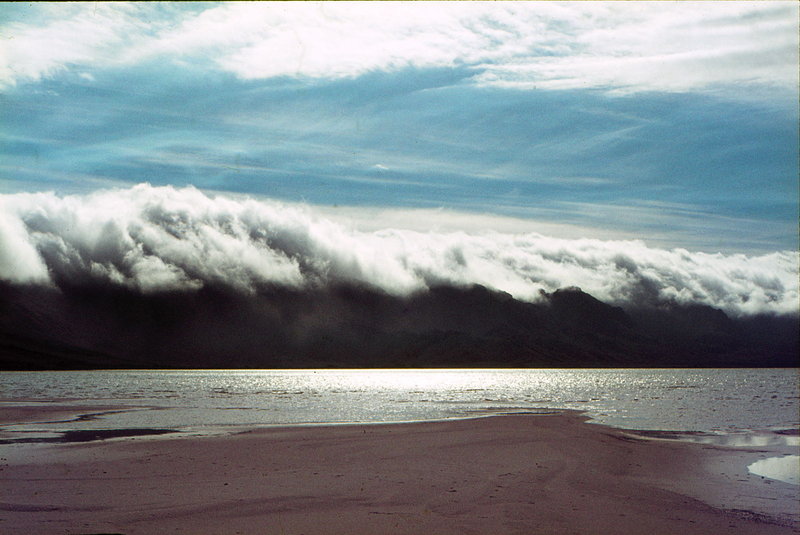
86,327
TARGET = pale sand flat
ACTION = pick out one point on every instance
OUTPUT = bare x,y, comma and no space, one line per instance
522,474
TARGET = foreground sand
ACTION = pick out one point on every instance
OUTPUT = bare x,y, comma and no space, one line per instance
527,474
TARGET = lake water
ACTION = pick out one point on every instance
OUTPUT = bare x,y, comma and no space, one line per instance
734,407
705,400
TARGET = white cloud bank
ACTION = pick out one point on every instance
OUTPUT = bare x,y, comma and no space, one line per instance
617,46
154,239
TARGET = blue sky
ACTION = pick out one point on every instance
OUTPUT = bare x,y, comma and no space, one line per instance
673,124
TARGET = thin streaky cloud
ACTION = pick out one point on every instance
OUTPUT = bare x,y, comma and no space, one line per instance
629,48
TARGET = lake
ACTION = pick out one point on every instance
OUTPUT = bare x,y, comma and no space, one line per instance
750,401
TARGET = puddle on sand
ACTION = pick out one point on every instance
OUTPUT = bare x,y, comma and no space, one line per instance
785,468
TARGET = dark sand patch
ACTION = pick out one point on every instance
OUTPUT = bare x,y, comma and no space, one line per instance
88,435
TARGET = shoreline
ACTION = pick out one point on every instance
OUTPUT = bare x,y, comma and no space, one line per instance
533,473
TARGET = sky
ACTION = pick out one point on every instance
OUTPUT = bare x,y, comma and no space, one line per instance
666,129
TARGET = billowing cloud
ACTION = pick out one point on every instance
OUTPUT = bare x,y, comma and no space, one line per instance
154,239
630,47
19,260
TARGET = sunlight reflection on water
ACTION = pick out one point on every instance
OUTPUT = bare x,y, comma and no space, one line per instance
716,401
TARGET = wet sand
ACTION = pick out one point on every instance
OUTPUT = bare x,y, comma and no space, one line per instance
526,474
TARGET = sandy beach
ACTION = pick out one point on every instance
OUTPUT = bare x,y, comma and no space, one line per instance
526,474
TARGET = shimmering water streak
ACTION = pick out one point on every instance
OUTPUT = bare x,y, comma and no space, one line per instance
709,400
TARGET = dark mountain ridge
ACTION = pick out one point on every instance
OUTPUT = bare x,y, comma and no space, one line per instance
90,327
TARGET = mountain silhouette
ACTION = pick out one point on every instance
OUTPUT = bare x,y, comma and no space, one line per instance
86,327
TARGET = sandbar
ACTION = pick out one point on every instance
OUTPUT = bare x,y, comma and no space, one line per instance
513,474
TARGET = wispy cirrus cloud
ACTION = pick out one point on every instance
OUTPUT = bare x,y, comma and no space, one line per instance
653,46
621,47
64,37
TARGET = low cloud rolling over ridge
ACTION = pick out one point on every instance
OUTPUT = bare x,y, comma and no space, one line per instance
156,239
